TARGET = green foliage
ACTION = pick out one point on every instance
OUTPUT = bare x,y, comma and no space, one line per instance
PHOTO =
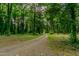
38,18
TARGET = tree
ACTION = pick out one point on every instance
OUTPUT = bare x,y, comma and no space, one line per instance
8,24
52,11
73,22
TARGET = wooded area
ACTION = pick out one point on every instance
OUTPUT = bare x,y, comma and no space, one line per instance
38,18
54,28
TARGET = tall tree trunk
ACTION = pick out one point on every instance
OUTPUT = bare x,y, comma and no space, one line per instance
9,10
34,12
73,23
1,20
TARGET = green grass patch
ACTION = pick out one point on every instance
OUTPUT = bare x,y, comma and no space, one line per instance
60,45
15,39
22,37
58,37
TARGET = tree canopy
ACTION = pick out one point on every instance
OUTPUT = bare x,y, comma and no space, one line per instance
38,18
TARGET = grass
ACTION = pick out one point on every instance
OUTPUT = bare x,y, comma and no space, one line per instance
15,39
61,46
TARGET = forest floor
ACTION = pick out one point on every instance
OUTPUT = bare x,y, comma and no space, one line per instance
61,46
15,39
45,45
35,47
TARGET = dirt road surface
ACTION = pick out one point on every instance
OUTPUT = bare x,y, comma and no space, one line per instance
35,47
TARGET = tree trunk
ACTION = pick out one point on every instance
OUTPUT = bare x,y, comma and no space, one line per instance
73,23
9,10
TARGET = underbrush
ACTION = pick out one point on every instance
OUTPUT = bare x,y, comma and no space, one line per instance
61,45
